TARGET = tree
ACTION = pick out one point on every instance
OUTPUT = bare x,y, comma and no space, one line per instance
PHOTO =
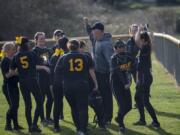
25,17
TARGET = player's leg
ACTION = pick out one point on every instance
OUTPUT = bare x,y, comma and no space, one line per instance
42,91
39,104
128,100
82,107
119,94
49,101
71,99
104,88
8,114
15,105
57,106
27,100
139,97
147,103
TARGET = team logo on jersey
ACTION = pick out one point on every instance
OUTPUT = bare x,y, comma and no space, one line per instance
45,57
125,66
58,52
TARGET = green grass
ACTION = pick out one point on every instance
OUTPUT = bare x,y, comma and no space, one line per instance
165,98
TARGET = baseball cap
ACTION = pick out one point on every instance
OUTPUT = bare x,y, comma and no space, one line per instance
58,32
98,25
21,40
119,43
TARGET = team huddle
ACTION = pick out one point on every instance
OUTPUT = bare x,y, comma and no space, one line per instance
84,79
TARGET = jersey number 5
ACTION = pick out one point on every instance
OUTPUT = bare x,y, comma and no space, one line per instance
24,62
76,65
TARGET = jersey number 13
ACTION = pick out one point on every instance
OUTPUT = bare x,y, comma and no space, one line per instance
76,65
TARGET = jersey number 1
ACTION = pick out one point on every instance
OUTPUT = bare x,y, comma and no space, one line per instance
76,65
24,62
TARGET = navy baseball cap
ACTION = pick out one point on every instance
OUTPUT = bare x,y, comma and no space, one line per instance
21,40
98,25
58,33
119,43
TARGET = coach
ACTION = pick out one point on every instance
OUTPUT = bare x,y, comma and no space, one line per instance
102,52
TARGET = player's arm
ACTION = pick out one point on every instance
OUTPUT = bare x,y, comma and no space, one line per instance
58,70
5,69
40,67
87,25
11,73
137,36
52,67
107,51
112,67
93,76
92,73
88,29
13,69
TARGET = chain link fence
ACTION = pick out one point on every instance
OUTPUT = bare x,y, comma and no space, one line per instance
167,51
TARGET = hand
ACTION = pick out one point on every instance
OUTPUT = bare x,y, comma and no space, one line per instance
51,90
95,88
141,27
127,86
137,82
85,20
47,69
16,72
51,87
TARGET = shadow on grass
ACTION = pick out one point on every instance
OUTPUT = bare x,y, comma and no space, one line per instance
128,131
98,131
113,126
68,122
95,130
64,130
132,132
92,129
27,133
160,131
167,114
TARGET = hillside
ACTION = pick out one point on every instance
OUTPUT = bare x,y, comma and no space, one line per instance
160,19
30,17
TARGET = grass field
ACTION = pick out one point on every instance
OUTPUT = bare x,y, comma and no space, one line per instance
165,98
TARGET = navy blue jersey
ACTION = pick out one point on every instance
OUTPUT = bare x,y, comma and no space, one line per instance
44,55
62,43
91,82
121,65
53,48
144,62
26,63
53,61
5,66
87,53
74,66
132,48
